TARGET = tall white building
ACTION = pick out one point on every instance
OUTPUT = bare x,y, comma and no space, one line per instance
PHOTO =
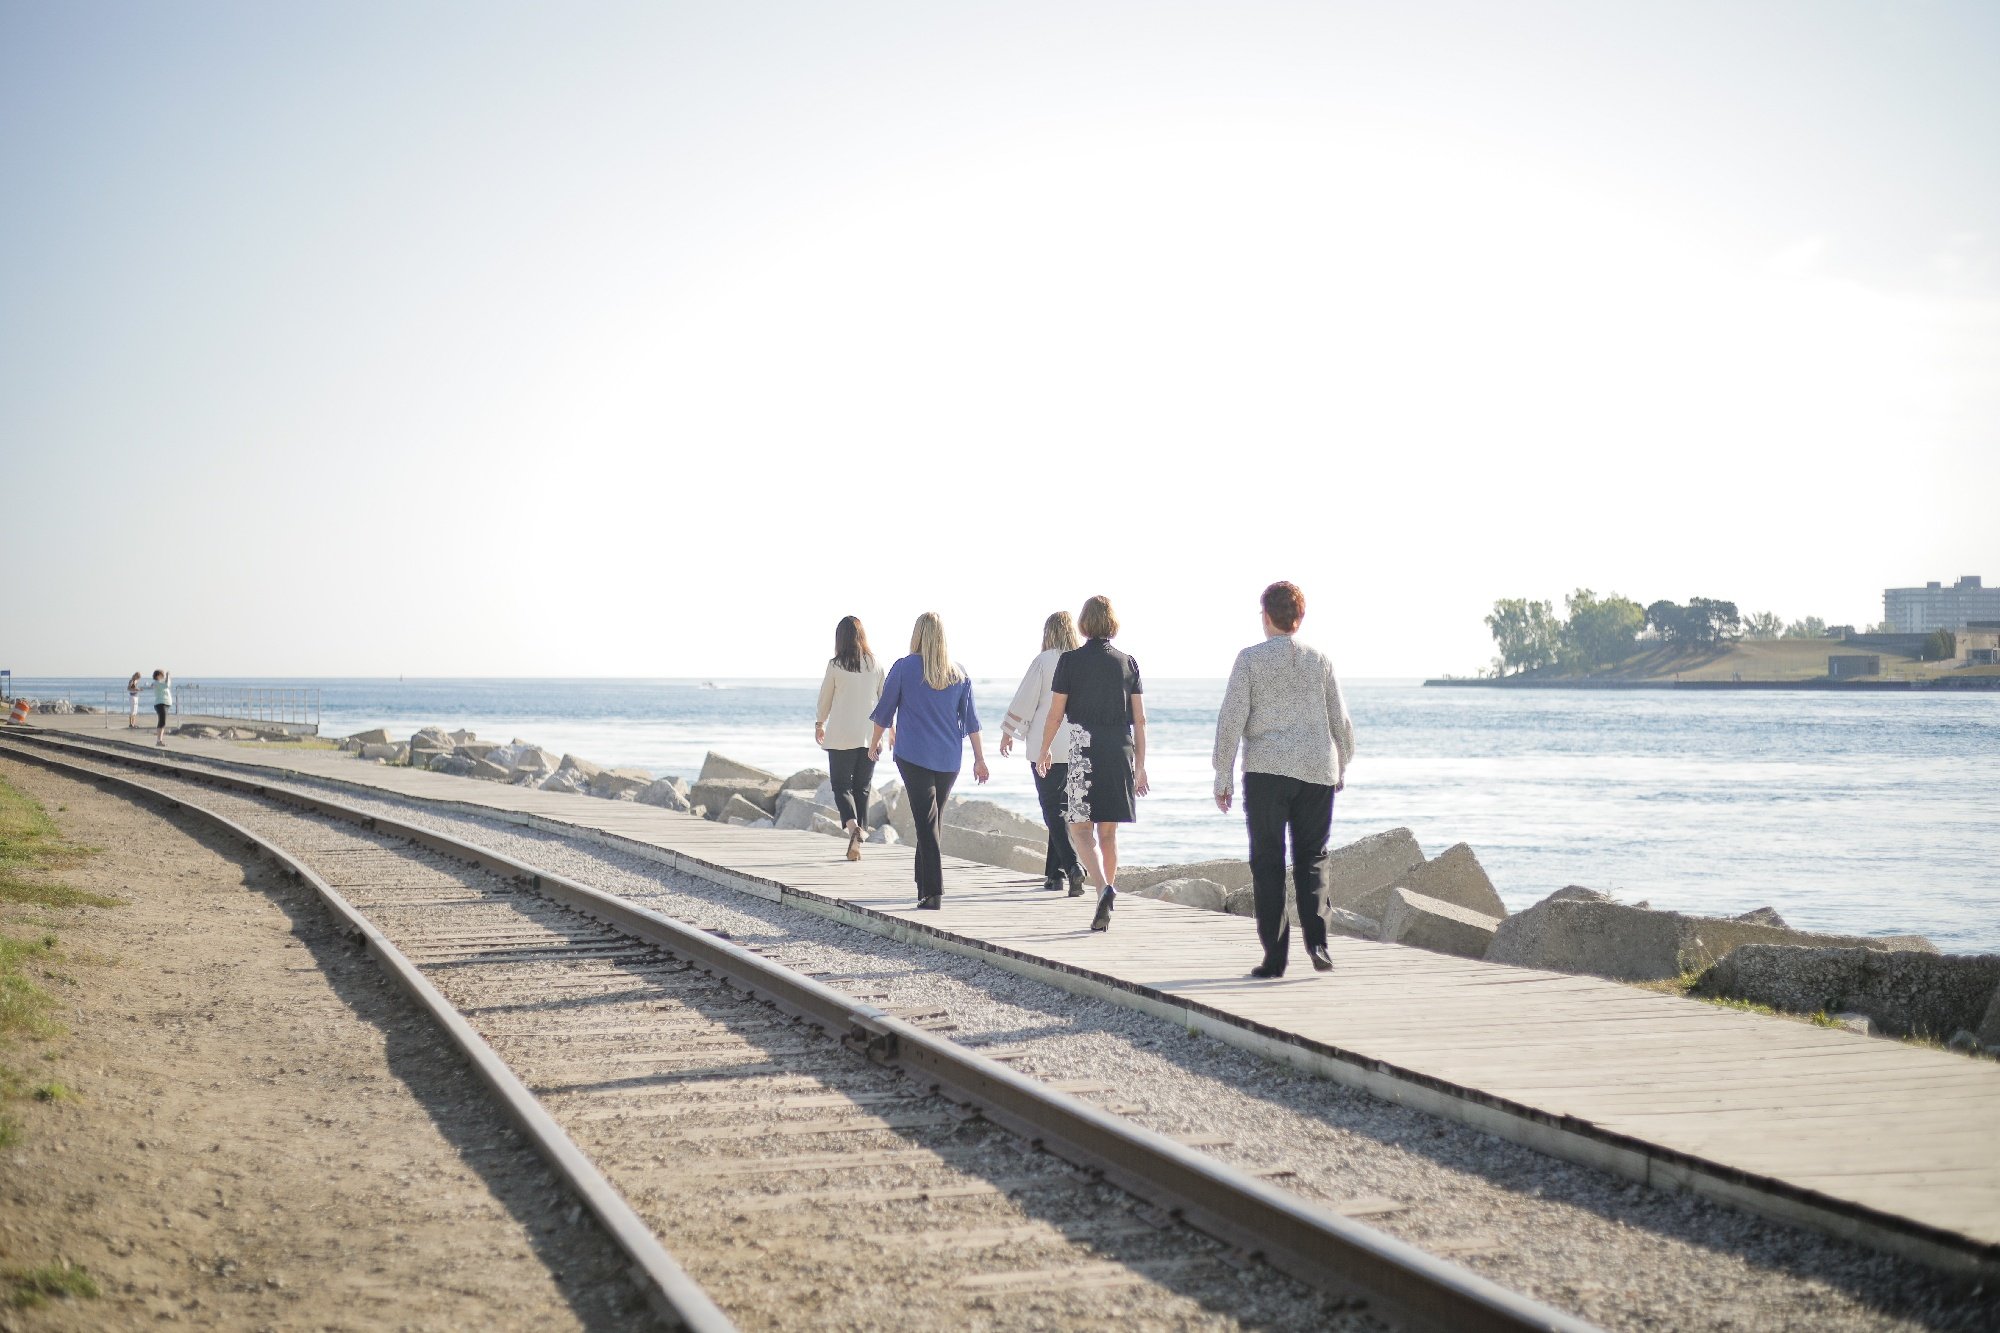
1935,607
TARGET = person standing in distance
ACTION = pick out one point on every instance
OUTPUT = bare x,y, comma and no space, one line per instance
927,698
1027,717
846,696
1097,689
1283,709
132,692
163,699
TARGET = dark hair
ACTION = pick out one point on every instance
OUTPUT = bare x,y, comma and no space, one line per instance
158,674
850,645
1285,604
1098,621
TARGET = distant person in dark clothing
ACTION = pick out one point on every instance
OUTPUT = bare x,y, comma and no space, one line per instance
1027,717
163,700
1283,709
927,698
847,694
1097,690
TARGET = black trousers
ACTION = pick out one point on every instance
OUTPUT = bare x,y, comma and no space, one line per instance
1061,861
852,773
161,711
927,790
1271,805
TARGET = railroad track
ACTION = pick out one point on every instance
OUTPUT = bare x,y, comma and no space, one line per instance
774,1153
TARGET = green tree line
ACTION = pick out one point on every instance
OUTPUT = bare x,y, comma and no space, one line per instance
1599,631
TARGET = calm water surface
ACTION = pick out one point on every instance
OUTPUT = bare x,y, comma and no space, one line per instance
1865,814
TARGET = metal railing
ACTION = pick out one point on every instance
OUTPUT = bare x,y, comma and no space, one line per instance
283,705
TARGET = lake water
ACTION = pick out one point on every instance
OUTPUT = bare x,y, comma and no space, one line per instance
1864,814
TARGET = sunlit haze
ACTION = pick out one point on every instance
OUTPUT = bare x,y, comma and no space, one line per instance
650,339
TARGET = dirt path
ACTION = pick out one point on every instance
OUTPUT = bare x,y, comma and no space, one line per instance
265,1133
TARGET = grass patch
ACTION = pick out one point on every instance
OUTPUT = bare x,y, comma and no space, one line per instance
10,1130
34,1285
24,1006
54,1092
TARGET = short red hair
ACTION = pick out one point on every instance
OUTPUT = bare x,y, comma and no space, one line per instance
1285,604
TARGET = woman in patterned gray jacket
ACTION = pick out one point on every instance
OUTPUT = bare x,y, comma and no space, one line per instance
1283,709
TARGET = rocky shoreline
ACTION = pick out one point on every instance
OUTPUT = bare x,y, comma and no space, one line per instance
1382,887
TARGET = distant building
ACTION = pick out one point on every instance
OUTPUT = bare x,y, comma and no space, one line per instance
1979,643
1848,666
1935,607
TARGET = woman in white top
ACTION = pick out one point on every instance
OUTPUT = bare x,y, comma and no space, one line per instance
132,689
847,695
1027,716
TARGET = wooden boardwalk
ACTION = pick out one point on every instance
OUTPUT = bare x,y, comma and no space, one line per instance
1893,1145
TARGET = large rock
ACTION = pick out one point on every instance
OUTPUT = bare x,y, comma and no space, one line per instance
462,737
737,810
828,826
878,808
479,749
427,744
715,793
620,784
993,849
490,771
992,817
1423,922
884,835
565,780
1340,921
1453,876
522,759
1988,1030
1190,892
666,793
1904,993
1243,902
395,752
583,768
1229,874
1375,862
721,766
797,811
375,736
1568,932
806,780
451,763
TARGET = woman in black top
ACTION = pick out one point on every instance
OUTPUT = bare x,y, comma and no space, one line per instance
1097,689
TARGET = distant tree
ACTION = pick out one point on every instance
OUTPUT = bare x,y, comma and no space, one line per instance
1880,627
1941,646
1812,627
1714,621
1668,620
1600,631
1763,625
1527,633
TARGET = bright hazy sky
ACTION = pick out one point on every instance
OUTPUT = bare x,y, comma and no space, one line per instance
649,339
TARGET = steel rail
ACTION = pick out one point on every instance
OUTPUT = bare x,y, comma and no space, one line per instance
1293,1234
676,1296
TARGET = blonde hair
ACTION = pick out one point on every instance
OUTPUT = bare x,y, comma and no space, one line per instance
927,641
1059,631
1098,620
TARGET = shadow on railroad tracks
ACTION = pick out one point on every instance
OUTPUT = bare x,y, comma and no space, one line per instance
586,1264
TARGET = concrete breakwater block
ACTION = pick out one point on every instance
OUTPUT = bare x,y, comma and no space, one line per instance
1904,993
806,780
373,736
577,764
620,784
991,817
1371,864
1241,901
797,810
1453,876
567,781
716,793
993,849
722,766
1230,874
1340,921
1580,930
667,793
1191,892
1432,923
393,751
734,809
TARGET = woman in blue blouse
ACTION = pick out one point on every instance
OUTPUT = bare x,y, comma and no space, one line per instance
927,698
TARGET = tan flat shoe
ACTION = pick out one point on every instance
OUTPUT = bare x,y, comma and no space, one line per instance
854,844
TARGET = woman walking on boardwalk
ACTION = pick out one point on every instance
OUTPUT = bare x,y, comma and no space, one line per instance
1097,690
847,695
132,693
927,698
1027,717
163,699
1283,708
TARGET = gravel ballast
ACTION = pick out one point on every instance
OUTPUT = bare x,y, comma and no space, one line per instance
1597,1245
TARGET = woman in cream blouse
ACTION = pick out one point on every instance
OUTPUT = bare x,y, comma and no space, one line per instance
847,696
